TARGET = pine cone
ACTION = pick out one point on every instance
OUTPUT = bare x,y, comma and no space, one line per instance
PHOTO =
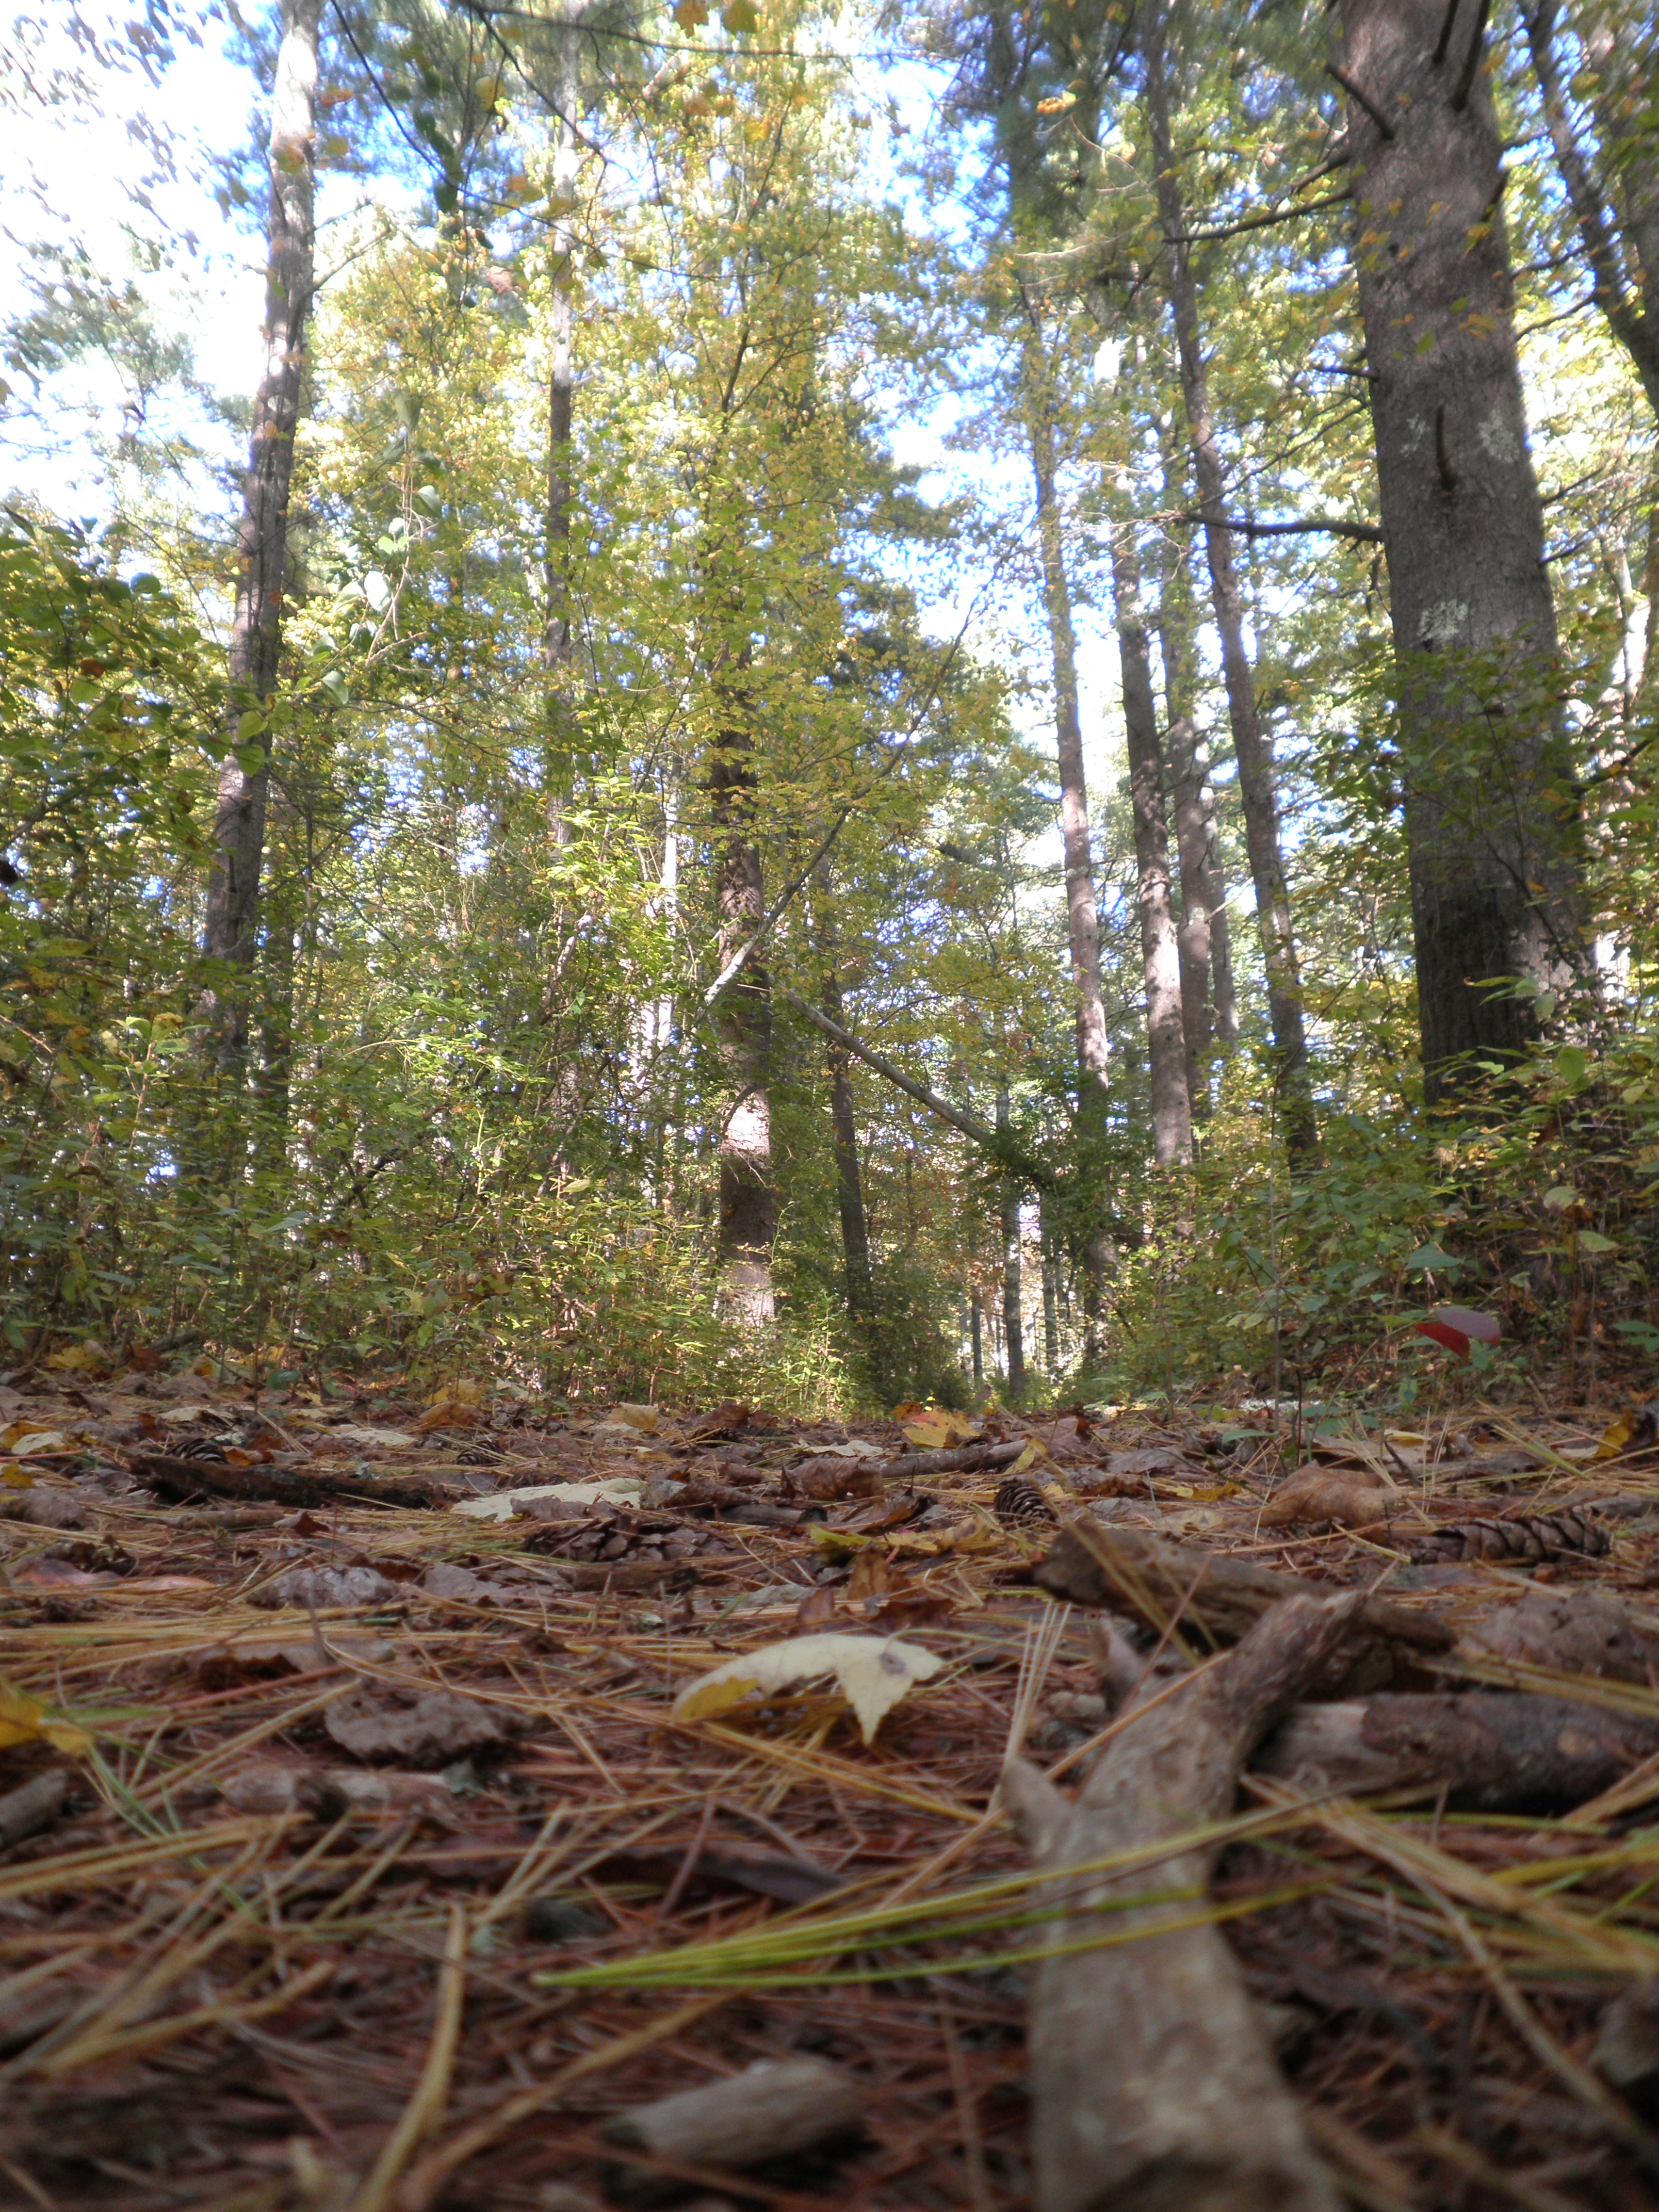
1019,1503
1526,1539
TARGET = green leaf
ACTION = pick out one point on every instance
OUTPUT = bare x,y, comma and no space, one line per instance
739,16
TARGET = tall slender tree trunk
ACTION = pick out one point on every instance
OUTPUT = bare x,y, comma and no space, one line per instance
1618,228
1209,1007
1050,1296
1082,907
1013,1325
1490,824
1172,1114
558,632
976,1332
1257,790
843,1123
748,1201
256,634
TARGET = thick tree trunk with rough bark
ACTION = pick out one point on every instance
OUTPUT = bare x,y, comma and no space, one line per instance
1257,789
1172,1117
256,635
1082,907
1490,821
748,1202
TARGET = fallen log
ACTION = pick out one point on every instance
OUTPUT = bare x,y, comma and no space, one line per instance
773,2108
1152,1578
1492,1751
266,1484
1153,2080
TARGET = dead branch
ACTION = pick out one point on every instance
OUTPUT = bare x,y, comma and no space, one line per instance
1153,2081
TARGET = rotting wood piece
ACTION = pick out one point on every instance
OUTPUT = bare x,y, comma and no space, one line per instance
771,2109
1492,1751
1153,2081
1150,1578
35,1805
286,1487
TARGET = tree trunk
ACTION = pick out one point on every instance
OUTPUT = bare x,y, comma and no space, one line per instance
1012,1323
1491,825
256,634
1050,1297
843,1122
1619,56
977,1333
1209,1008
748,1204
558,634
1082,907
1172,1117
1256,786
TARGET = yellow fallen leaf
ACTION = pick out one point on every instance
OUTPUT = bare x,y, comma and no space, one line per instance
836,1542
936,1428
873,1673
462,1392
646,1419
23,1720
25,1437
79,1358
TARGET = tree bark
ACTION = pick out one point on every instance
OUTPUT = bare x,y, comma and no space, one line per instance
558,634
742,1018
1209,1007
1153,2081
1172,1115
1256,783
1082,907
1050,1297
230,931
1620,55
1012,1322
1491,822
844,1122
1494,1751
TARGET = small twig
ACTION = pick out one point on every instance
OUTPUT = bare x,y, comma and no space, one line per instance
1360,99
1444,40
1460,98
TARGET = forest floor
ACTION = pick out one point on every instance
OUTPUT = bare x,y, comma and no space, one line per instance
355,1855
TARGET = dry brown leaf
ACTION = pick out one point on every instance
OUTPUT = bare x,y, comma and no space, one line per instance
328,1586
422,1727
1322,1496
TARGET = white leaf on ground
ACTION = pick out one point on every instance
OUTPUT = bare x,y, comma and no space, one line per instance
874,1672
502,1504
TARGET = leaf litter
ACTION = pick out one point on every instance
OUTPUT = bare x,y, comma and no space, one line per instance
362,1853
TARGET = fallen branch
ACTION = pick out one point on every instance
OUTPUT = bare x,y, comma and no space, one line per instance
1492,1751
1148,1577
268,1485
1153,2081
